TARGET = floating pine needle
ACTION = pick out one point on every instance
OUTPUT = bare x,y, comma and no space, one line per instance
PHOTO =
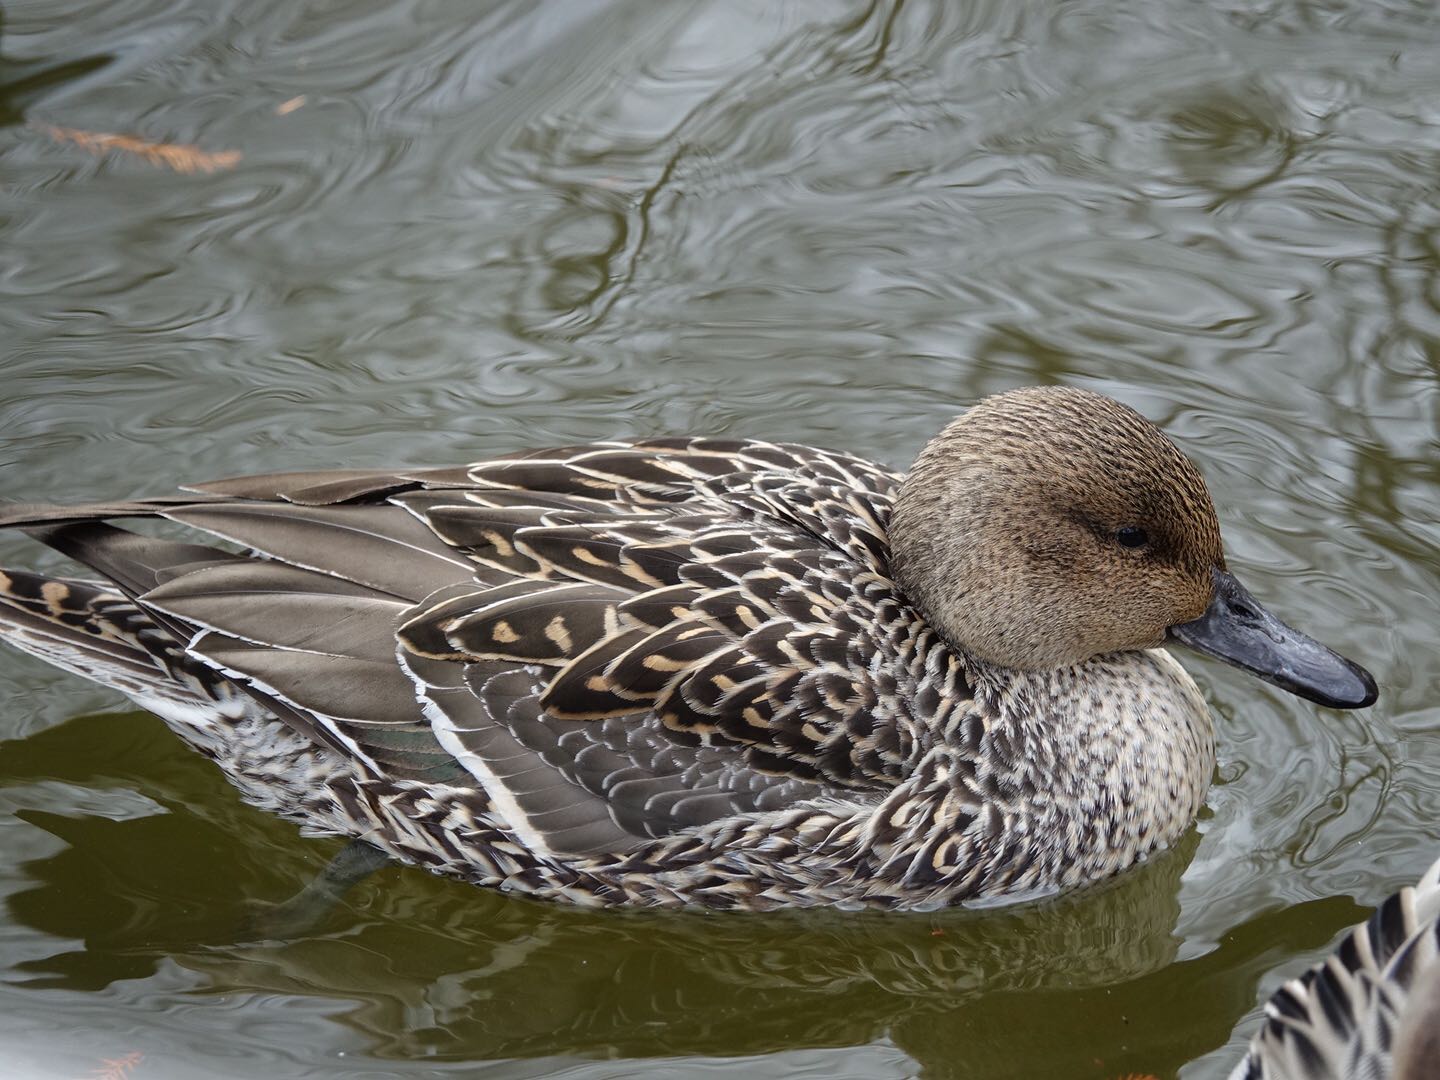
180,157
285,108
117,1068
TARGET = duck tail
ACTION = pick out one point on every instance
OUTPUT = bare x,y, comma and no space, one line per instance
132,562
94,630
28,516
85,627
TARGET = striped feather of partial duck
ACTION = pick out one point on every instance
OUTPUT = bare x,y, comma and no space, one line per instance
1370,1011
668,672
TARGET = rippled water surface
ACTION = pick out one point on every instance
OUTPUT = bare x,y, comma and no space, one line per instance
438,230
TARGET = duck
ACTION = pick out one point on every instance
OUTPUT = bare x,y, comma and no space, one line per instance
1370,1010
695,671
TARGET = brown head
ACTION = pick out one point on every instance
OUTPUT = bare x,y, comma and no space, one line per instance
1050,524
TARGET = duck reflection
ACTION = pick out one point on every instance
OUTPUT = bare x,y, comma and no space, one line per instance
444,971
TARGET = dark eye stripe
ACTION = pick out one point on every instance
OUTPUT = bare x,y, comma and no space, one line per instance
1132,537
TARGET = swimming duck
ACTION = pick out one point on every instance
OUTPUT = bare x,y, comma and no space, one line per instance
1370,1010
696,671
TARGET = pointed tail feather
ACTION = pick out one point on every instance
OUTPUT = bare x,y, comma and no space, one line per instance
18,515
135,563
80,626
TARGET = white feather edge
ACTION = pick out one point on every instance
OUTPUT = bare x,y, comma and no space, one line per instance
506,807
328,722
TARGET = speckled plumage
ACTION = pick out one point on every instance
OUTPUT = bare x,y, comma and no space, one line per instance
1370,1010
673,671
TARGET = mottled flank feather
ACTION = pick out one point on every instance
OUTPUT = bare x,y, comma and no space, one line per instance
1370,1011
666,672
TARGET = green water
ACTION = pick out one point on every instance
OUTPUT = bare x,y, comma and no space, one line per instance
494,226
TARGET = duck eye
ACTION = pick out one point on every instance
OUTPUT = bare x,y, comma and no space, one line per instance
1132,537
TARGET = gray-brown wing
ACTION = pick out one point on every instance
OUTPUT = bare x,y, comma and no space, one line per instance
625,473
754,617
573,787
613,642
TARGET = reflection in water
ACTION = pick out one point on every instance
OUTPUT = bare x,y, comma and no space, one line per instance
506,225
442,971
21,84
1231,142
37,79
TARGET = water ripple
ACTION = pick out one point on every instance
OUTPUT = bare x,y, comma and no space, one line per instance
486,229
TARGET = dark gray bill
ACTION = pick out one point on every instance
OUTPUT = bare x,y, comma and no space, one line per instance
1239,631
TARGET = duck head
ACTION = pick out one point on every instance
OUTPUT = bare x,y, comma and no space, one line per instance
1049,525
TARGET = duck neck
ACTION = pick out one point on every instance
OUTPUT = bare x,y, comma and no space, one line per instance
1071,774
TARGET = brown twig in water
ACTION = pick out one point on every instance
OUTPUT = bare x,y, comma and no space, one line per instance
117,1068
180,157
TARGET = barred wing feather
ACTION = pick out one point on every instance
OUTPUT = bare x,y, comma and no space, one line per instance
606,643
